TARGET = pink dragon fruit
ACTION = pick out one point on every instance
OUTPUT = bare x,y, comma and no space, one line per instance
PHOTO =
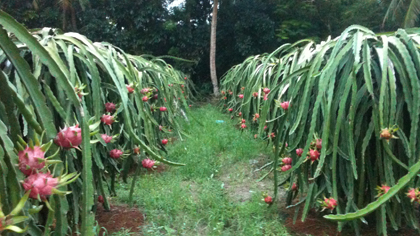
69,137
243,121
230,109
329,203
285,105
241,96
145,98
110,107
31,159
41,184
318,144
147,163
268,200
240,114
299,152
255,94
294,187
243,126
266,90
107,119
314,155
163,109
115,153
286,168
144,91
106,138
265,97
287,160
414,194
382,190
129,89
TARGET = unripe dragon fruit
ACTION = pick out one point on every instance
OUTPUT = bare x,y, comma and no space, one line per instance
107,119
110,107
285,105
147,163
287,160
268,200
299,152
41,184
115,153
69,137
106,138
31,159
241,96
314,155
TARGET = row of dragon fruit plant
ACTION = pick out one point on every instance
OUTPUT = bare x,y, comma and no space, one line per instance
343,116
93,109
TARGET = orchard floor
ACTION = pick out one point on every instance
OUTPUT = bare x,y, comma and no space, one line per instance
216,193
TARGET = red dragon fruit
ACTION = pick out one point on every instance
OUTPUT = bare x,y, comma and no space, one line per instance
329,203
147,163
41,184
240,114
69,137
106,138
314,155
286,168
129,89
145,98
164,141
268,200
241,96
107,119
414,194
185,78
285,105
230,109
31,159
243,126
163,109
265,127
265,97
155,96
110,107
182,85
223,92
144,91
287,160
299,152
266,90
243,121
115,153
294,187
255,94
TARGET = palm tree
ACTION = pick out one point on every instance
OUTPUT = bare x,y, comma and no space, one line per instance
213,74
410,11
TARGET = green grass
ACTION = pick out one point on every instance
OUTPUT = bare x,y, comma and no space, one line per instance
216,192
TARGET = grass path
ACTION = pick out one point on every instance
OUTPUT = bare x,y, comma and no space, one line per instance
216,192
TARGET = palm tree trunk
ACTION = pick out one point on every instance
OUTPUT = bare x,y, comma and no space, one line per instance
213,74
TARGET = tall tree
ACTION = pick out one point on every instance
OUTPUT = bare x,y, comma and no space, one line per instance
213,50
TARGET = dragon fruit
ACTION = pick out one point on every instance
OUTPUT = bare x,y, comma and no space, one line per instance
255,94
145,98
243,121
285,105
318,144
107,119
147,163
41,184
329,203
241,96
69,137
314,155
266,90
243,126
115,153
164,141
286,168
106,138
287,160
162,109
129,89
299,152
230,109
100,199
145,90
155,96
136,150
31,159
414,194
265,97
294,187
382,190
268,200
110,107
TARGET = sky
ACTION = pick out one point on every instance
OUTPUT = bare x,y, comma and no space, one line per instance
176,3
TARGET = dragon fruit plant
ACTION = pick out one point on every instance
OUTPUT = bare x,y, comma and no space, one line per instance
9,222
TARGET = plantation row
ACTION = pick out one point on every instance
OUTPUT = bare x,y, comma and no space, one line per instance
343,116
92,109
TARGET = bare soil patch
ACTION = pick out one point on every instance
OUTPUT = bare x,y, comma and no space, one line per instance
120,216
